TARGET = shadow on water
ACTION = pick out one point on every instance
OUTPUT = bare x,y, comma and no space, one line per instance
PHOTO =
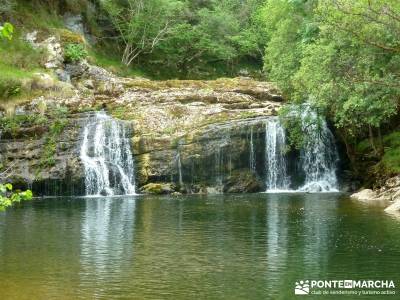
191,247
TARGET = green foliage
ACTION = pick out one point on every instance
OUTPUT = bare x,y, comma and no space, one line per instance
342,57
391,158
11,125
74,52
6,31
59,122
187,37
8,197
18,67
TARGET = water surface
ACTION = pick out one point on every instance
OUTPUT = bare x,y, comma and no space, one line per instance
191,247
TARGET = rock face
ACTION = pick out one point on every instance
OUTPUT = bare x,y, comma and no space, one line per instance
49,164
189,136
389,194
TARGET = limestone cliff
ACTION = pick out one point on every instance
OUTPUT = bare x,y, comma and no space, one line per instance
192,134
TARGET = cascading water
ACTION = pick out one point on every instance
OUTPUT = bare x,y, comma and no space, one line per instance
275,160
252,158
107,157
318,156
179,164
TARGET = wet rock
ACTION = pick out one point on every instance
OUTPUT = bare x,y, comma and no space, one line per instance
243,181
365,195
394,208
158,188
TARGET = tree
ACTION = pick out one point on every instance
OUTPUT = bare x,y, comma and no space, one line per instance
142,24
342,57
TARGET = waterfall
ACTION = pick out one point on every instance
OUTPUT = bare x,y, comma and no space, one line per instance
179,163
252,158
318,156
107,157
275,160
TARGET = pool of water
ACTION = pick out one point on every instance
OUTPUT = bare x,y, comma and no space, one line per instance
192,247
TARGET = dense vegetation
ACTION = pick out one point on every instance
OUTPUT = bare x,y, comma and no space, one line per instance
340,56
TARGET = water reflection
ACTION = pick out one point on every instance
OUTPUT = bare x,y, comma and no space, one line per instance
215,247
107,235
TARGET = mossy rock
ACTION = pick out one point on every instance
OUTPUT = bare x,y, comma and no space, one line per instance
69,37
158,188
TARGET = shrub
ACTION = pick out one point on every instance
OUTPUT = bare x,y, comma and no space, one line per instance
8,197
74,53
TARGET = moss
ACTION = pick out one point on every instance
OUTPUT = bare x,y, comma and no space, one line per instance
59,122
158,188
68,37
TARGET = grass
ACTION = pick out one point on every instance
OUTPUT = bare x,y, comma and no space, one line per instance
391,158
18,63
36,16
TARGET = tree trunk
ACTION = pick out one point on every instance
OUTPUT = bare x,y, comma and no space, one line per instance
380,143
372,140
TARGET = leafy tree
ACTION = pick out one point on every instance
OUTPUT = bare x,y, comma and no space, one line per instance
342,57
142,24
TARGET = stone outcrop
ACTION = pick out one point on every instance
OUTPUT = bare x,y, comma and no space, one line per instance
189,136
389,194
48,163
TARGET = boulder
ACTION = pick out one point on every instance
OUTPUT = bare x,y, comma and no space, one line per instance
394,208
365,195
368,195
158,188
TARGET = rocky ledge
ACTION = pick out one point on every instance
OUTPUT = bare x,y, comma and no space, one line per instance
188,136
388,196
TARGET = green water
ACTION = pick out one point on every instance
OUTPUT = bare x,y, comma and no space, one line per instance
192,247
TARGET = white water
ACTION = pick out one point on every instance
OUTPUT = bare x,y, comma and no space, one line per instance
318,156
179,163
276,168
107,157
252,152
